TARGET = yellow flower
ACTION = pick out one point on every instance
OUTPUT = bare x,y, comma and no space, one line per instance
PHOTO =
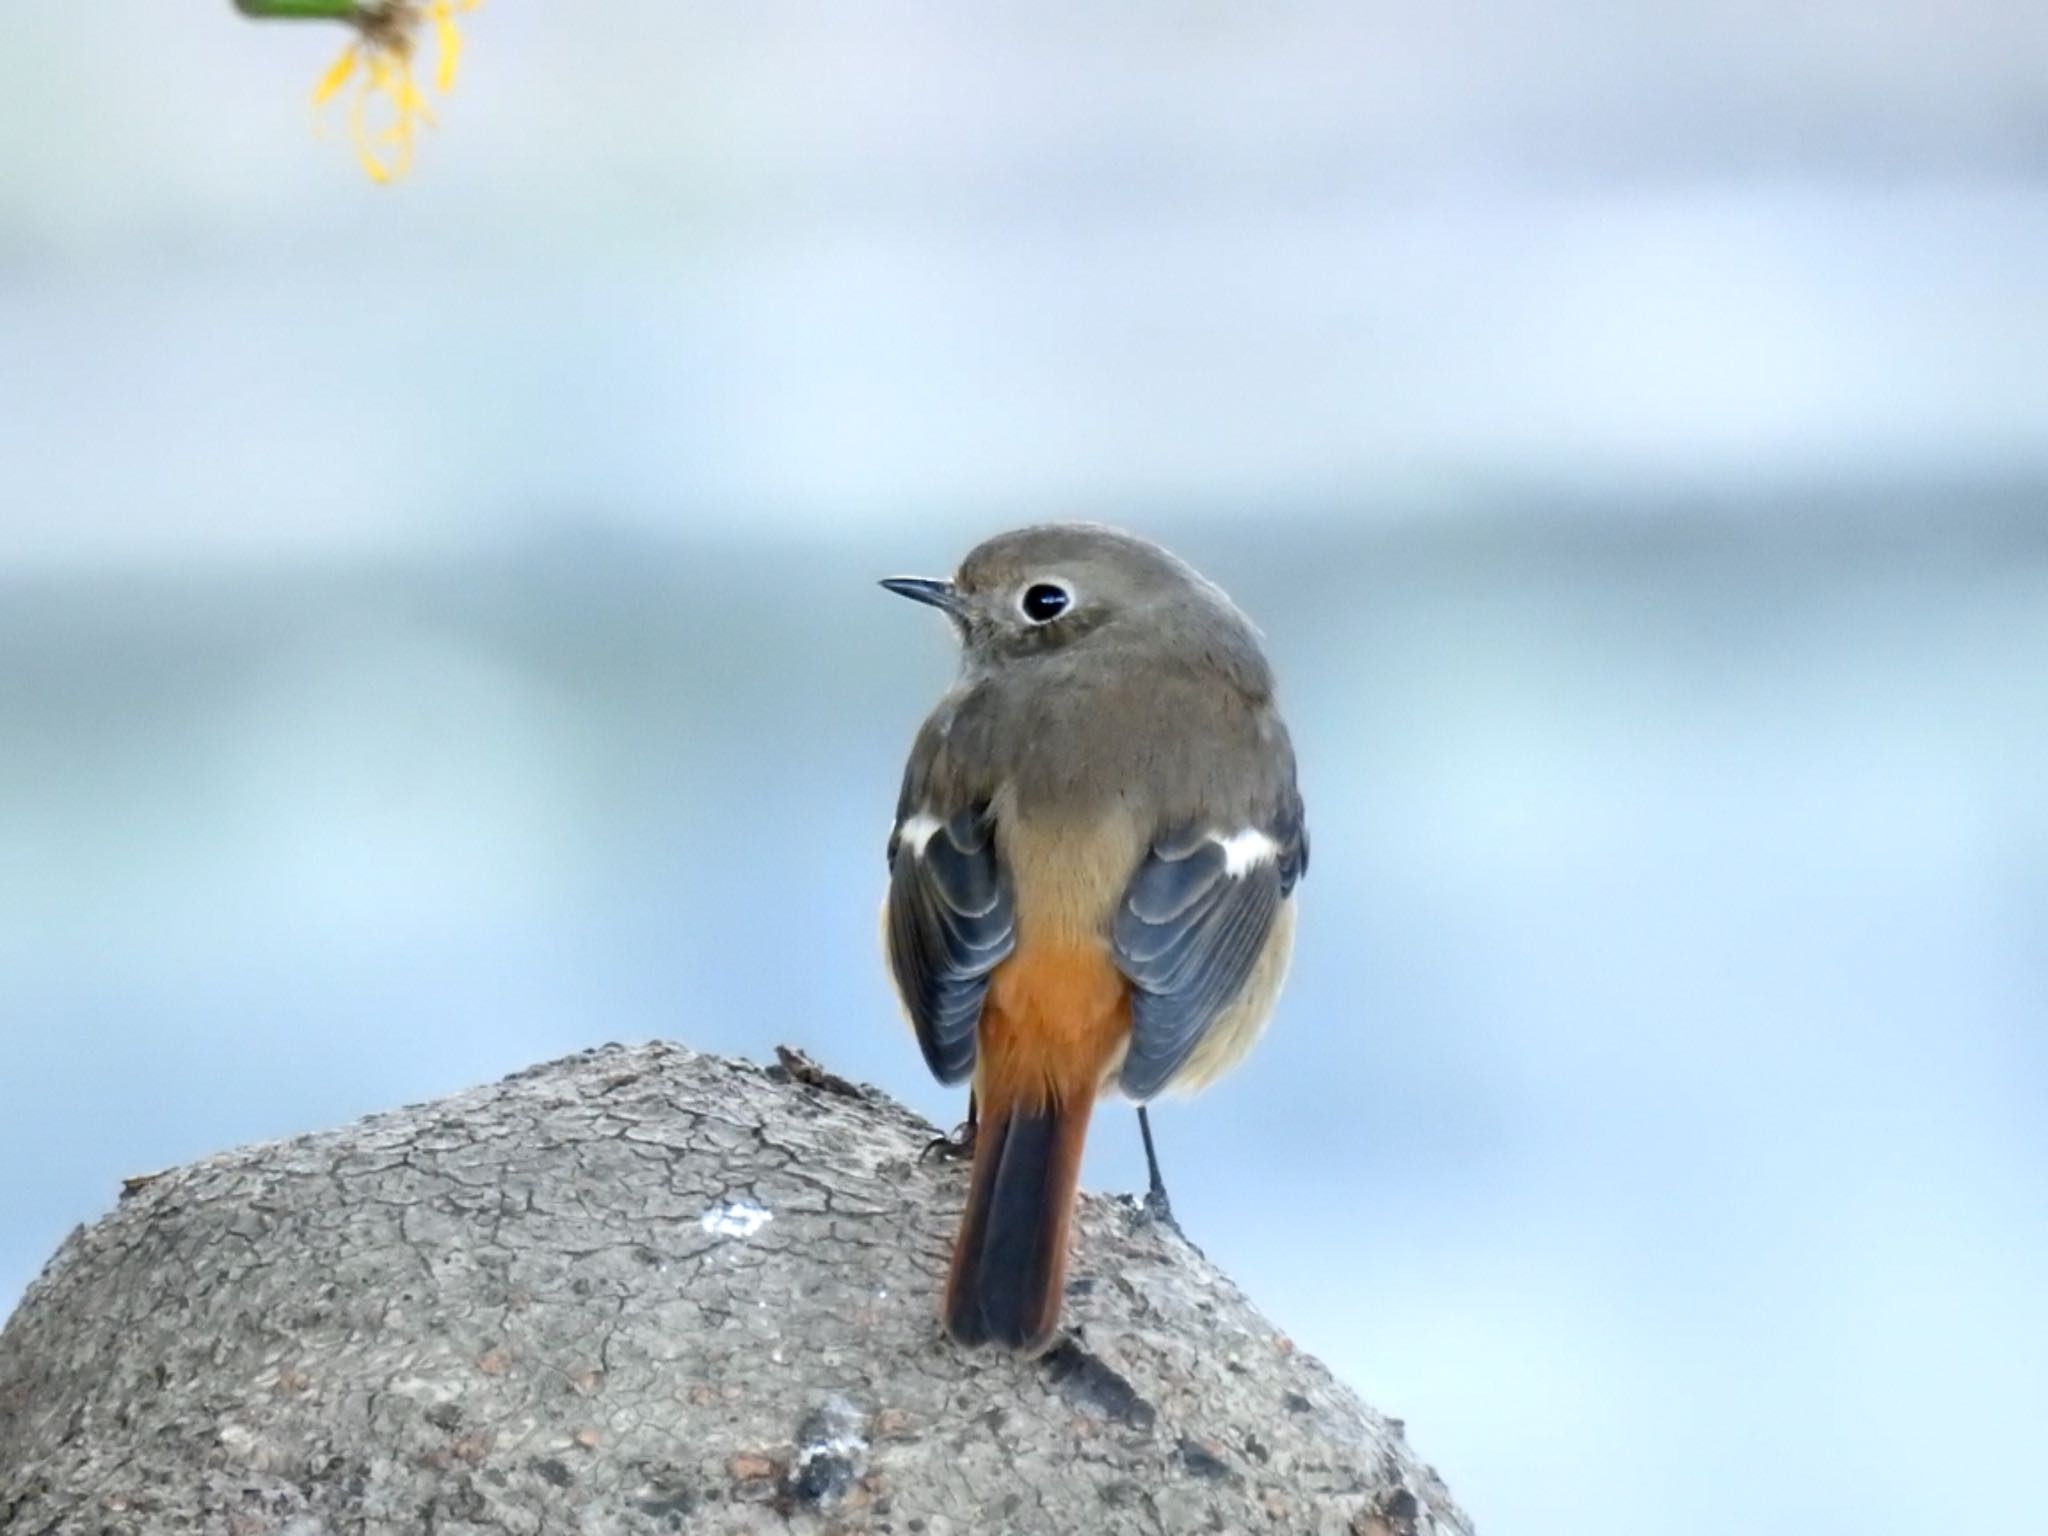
388,105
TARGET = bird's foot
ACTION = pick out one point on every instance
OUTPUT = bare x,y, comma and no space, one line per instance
1157,1208
958,1147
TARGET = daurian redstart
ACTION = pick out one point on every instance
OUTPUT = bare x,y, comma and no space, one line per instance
1090,874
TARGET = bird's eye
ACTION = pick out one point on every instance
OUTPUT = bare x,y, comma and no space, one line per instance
1044,601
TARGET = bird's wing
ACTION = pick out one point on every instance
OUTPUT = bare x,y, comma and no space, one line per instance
1193,922
951,921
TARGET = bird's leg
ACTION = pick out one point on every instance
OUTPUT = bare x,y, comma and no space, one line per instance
959,1145
1156,1207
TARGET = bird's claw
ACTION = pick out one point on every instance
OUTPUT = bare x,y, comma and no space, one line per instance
958,1147
1155,1207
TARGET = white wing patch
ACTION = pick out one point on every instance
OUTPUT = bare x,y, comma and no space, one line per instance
917,830
1245,851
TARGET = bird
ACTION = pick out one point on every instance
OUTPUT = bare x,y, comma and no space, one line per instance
1092,870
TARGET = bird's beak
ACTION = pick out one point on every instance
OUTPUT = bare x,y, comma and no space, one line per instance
942,595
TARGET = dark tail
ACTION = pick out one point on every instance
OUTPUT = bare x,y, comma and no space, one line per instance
1010,1262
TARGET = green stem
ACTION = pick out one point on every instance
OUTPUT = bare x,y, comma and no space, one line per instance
299,10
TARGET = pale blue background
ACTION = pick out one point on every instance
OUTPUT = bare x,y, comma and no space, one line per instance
437,633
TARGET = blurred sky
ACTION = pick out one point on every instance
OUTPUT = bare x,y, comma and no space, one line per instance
437,633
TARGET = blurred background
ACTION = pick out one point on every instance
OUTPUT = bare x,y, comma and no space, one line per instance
438,633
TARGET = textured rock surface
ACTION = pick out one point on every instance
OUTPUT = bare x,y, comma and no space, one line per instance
645,1290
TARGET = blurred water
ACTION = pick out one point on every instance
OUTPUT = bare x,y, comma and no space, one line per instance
1629,425
1655,1117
